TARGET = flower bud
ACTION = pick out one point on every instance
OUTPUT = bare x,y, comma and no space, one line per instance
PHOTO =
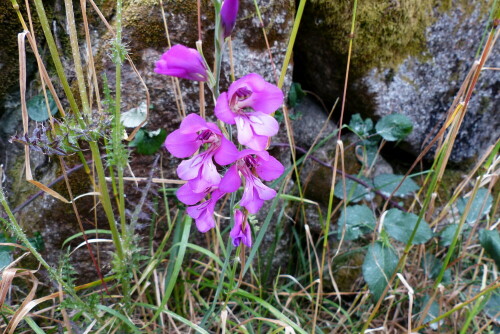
228,13
182,62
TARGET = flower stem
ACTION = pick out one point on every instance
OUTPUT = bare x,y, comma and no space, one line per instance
13,225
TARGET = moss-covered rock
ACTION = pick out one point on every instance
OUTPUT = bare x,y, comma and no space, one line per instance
407,57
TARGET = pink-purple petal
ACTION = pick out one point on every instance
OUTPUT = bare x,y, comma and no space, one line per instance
269,169
192,124
263,124
209,174
251,201
182,62
204,219
265,97
237,233
182,145
186,195
264,191
231,180
227,152
228,13
222,109
247,137
189,169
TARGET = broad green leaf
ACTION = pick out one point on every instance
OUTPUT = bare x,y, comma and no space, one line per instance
490,240
386,183
477,203
432,267
378,267
394,127
360,127
360,220
367,152
37,108
135,116
354,191
5,239
492,307
400,226
295,95
148,142
447,234
432,314
5,259
278,115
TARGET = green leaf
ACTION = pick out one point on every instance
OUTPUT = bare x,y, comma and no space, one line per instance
37,108
394,127
492,306
432,267
360,220
135,116
278,115
367,152
378,267
295,94
490,240
34,326
354,191
400,226
360,127
37,242
5,259
180,240
5,239
175,316
117,314
432,314
475,212
148,142
447,235
386,183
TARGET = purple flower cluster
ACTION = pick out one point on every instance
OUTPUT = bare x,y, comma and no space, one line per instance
248,104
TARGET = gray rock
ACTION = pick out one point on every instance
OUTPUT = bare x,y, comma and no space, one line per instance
405,59
423,89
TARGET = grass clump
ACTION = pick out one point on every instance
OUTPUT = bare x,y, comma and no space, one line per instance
410,257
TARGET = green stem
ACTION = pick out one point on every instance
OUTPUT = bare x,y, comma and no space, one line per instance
13,225
56,59
75,52
117,140
218,46
105,199
491,288
291,42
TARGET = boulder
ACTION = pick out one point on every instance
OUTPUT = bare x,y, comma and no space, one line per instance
408,57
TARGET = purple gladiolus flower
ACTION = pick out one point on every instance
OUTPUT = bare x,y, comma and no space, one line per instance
228,13
250,164
238,233
203,213
182,62
254,126
200,170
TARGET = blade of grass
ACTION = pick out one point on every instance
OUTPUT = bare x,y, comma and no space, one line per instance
185,321
126,321
176,259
